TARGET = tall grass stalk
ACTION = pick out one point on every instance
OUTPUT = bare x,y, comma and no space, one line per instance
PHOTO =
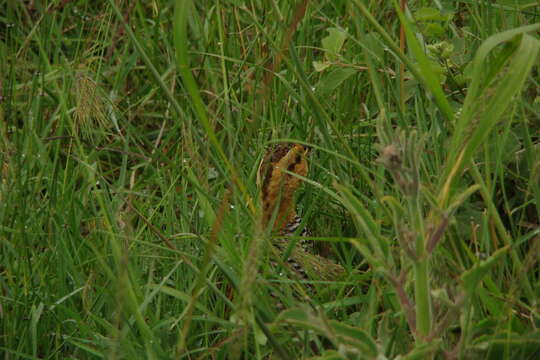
130,138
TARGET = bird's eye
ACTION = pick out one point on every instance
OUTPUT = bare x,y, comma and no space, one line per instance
297,160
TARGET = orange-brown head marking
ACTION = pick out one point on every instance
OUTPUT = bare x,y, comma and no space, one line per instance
277,186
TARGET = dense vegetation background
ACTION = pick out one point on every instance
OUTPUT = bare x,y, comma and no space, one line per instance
131,133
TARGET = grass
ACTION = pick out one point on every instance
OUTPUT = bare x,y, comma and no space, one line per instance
131,133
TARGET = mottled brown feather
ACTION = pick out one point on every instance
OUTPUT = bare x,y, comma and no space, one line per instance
277,191
278,187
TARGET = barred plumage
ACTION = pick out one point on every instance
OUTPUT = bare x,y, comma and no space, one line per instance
278,188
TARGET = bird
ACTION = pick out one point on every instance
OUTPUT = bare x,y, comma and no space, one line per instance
279,176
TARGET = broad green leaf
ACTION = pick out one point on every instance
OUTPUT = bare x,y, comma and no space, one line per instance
433,15
372,44
260,337
428,14
320,66
333,42
433,30
333,79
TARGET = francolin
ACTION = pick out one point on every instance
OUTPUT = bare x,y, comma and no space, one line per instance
278,183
